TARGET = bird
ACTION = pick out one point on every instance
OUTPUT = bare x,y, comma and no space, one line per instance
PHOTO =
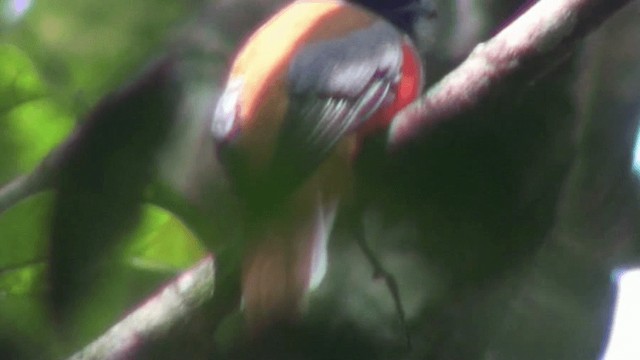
302,94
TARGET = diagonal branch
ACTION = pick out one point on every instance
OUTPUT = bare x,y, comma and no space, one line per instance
40,179
535,40
155,318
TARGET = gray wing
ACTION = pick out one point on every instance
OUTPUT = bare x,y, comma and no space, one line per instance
335,86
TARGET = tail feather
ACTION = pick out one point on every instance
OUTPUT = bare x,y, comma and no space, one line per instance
289,259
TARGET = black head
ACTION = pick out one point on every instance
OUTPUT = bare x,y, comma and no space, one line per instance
404,14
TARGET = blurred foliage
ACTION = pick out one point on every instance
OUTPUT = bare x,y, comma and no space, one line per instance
31,122
57,59
23,232
157,249
22,277
23,248
162,242
84,49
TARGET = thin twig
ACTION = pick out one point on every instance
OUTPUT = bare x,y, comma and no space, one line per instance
379,271
40,179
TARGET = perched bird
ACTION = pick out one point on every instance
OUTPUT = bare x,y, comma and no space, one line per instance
303,91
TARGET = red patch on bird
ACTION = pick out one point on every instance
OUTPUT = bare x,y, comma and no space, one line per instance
408,89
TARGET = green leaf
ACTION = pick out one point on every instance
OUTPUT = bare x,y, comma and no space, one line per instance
19,81
36,128
23,246
31,124
27,279
162,242
24,231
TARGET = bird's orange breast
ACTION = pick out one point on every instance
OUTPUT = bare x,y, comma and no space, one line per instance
263,60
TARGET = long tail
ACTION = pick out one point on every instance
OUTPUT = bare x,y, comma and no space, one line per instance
289,258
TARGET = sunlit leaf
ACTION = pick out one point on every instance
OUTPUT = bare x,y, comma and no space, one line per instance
19,80
37,127
162,242
23,280
31,124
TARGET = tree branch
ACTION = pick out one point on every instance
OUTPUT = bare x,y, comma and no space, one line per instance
540,36
156,317
40,179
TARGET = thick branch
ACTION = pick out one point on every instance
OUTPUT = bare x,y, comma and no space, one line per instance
543,33
155,318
